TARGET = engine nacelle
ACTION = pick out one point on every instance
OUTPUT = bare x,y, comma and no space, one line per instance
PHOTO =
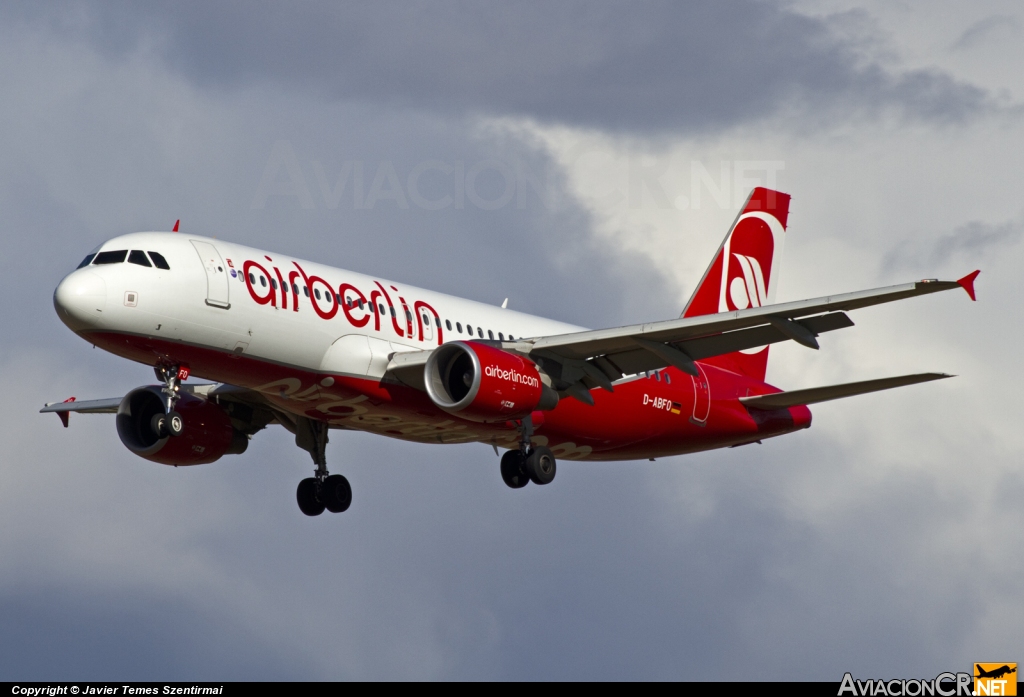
481,383
206,437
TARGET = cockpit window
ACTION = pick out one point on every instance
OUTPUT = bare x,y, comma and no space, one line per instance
159,261
137,256
86,261
113,257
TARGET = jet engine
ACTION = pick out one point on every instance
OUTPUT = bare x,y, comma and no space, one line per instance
486,384
207,434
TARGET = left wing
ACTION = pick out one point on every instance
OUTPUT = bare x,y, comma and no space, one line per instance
581,361
584,360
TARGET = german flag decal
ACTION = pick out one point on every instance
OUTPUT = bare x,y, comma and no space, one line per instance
676,407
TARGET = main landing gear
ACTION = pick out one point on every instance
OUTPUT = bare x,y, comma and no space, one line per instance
527,464
322,491
170,422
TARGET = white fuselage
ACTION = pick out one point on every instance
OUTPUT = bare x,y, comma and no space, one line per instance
208,303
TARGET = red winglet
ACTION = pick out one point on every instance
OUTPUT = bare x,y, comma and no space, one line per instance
176,222
967,283
63,414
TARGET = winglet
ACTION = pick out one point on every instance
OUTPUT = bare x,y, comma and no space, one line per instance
176,223
967,283
63,414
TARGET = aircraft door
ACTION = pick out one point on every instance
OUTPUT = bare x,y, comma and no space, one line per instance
701,397
216,274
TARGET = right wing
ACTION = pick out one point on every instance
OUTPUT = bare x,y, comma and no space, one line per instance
249,410
91,406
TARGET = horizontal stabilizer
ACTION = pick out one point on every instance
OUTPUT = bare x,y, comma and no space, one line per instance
782,400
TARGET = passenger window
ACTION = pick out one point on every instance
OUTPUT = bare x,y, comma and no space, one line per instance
480,332
668,379
490,335
263,281
380,307
469,330
86,261
458,325
316,292
273,284
448,323
252,279
159,261
500,337
437,321
360,304
295,289
657,376
305,291
111,257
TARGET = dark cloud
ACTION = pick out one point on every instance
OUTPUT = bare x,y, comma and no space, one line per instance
67,633
652,67
984,29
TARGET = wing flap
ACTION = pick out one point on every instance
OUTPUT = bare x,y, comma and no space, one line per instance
814,395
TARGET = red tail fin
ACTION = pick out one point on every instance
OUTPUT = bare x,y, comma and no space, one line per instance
745,272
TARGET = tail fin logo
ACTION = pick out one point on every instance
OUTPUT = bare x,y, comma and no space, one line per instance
748,290
750,259
745,273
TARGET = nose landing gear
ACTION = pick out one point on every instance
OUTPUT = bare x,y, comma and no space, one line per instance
323,491
170,422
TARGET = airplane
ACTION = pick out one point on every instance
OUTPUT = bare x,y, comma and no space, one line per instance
314,348
996,673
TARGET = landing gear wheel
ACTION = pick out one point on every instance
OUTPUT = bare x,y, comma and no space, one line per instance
309,503
159,425
336,494
540,464
174,424
513,470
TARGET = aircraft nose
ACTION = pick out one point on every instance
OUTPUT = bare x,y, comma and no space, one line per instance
80,299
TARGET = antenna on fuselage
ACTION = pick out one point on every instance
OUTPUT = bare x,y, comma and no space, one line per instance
504,305
176,223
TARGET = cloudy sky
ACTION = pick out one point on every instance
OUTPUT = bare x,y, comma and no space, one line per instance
584,160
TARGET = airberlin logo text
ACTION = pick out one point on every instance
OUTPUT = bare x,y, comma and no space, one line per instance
944,685
293,288
493,371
